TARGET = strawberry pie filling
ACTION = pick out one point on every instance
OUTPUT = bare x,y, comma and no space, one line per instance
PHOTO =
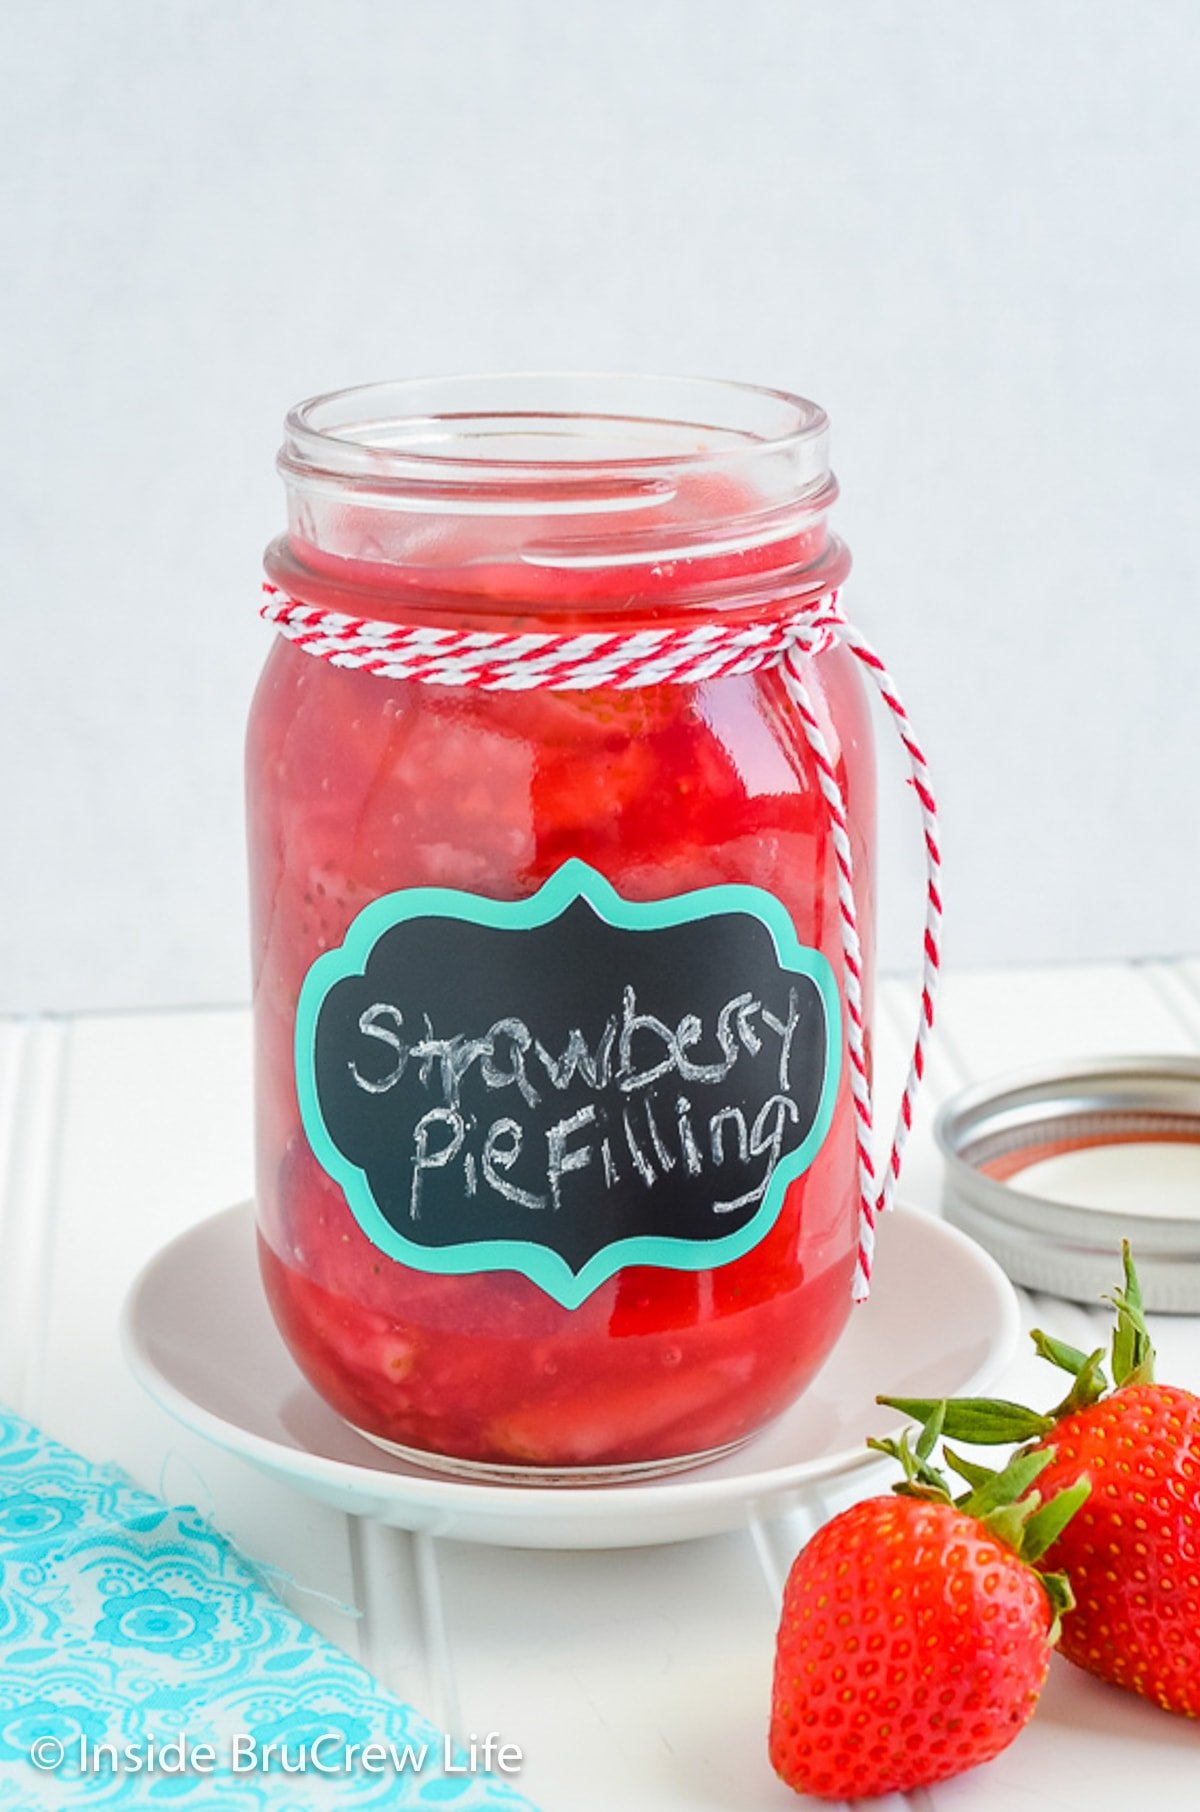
359,786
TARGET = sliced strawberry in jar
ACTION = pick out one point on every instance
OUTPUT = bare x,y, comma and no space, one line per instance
455,811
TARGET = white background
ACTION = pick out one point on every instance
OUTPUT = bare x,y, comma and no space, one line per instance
971,231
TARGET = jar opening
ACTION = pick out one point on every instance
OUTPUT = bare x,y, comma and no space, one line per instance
524,427
479,483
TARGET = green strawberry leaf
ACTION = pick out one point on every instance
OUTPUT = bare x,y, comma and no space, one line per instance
920,1478
1049,1520
968,1470
980,1421
1008,1521
932,1432
1004,1488
930,1494
1062,1600
1089,1386
1067,1358
1132,1347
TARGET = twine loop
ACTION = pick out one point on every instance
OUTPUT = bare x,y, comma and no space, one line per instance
496,660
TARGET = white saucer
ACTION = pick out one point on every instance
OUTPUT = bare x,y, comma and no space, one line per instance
942,1320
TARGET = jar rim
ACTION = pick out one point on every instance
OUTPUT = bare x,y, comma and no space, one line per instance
558,428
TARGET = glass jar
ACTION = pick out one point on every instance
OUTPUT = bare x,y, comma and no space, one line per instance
556,1161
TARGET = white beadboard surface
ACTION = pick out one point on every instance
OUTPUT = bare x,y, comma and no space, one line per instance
635,1678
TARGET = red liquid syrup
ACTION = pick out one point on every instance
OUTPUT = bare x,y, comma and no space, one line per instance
359,786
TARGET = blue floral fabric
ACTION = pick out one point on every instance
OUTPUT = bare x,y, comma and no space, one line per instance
143,1663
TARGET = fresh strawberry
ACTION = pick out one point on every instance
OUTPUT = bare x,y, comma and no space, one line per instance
916,1631
1135,1558
1132,1556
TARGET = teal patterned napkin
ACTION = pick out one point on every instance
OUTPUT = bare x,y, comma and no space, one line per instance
127,1624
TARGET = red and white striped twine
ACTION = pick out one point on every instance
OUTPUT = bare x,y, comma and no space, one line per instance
495,661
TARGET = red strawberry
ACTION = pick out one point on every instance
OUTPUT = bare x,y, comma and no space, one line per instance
1132,1556
916,1635
1134,1560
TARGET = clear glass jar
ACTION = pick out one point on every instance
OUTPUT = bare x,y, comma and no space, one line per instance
544,505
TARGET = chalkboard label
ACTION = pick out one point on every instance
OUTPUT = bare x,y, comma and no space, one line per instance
570,1083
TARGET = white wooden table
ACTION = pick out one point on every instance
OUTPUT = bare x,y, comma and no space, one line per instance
632,1679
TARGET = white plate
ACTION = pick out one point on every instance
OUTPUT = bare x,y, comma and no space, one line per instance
942,1320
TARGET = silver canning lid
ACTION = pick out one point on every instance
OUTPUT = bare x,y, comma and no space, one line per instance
993,1132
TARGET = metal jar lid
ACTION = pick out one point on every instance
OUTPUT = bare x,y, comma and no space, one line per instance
992,1132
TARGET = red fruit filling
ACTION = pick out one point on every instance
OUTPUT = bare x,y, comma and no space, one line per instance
360,786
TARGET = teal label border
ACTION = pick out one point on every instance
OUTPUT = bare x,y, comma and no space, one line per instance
575,880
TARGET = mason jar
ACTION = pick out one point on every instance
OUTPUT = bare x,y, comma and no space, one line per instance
556,1162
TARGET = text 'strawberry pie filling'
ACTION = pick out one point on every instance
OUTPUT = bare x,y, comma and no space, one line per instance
561,812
